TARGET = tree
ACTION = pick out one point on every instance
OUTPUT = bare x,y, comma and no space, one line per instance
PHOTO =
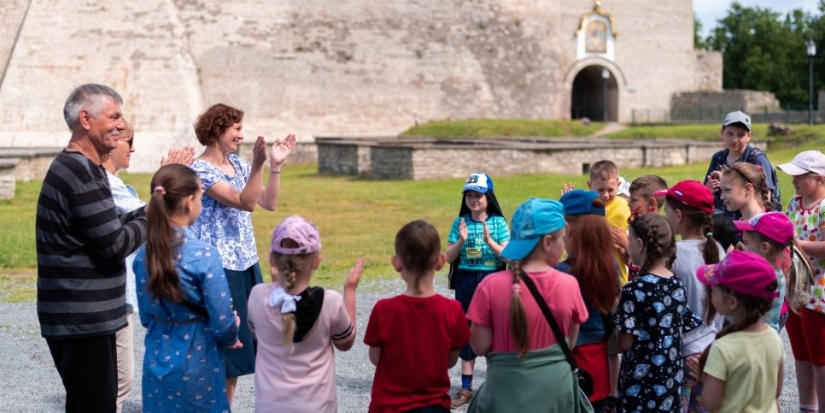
766,51
698,42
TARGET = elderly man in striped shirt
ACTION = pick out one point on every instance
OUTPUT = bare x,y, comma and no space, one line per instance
81,246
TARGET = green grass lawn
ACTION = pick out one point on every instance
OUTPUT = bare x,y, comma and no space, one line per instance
497,128
801,133
484,128
356,217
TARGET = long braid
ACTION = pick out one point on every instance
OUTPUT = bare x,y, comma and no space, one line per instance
518,316
710,251
756,306
289,318
290,267
657,238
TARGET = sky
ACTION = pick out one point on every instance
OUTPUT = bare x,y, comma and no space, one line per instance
709,11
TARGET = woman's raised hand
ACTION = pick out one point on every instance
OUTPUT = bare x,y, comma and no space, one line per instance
184,156
259,152
281,149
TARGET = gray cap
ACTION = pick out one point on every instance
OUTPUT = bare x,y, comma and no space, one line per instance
737,117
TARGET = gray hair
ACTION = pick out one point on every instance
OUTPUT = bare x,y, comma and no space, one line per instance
89,96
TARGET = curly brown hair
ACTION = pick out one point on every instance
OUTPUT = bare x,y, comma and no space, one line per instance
213,123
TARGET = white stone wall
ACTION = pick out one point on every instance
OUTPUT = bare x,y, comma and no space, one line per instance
319,68
437,160
7,178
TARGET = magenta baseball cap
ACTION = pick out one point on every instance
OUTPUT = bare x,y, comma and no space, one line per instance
298,229
744,272
772,225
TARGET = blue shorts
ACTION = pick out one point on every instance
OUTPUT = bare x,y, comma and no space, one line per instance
465,288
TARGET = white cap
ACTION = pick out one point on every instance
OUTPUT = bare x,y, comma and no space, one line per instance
804,162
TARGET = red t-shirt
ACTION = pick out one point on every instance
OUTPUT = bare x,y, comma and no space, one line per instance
491,307
416,337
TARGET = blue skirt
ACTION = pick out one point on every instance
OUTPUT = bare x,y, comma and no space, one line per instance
240,362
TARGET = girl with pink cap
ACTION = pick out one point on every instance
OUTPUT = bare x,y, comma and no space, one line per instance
297,325
736,378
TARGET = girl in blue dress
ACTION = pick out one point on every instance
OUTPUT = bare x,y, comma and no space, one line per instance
184,302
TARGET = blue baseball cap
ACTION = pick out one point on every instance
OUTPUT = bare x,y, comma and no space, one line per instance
532,220
737,117
478,182
580,202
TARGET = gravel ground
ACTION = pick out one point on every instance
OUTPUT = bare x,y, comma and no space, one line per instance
31,384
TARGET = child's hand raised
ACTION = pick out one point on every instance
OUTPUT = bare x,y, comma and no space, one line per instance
567,188
354,277
486,232
462,230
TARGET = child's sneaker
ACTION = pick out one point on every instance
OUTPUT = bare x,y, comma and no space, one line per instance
461,398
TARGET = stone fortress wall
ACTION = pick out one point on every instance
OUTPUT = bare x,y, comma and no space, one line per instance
321,68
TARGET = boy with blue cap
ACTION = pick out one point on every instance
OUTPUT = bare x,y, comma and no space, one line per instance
736,136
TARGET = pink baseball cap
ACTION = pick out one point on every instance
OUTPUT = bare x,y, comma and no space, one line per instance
691,193
298,229
773,225
744,272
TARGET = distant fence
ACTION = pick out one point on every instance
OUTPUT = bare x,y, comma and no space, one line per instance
716,115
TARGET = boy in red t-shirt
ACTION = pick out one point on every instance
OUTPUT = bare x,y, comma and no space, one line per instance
415,337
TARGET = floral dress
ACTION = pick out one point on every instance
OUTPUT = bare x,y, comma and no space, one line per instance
228,229
654,310
183,365
809,225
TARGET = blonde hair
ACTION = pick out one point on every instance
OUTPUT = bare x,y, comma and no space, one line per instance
129,130
604,169
290,267
747,173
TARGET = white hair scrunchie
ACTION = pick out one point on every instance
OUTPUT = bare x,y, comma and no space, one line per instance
287,302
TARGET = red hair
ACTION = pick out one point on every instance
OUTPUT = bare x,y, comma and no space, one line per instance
591,252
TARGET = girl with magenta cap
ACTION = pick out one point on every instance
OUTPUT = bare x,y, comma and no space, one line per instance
742,286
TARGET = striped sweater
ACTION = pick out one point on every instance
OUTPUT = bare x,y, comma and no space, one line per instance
81,247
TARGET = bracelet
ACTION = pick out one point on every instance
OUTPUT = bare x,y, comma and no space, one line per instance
274,172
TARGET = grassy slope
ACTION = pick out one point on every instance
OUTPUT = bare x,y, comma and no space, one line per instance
503,127
356,217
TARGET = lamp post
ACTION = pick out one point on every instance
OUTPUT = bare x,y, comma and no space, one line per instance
606,77
811,53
